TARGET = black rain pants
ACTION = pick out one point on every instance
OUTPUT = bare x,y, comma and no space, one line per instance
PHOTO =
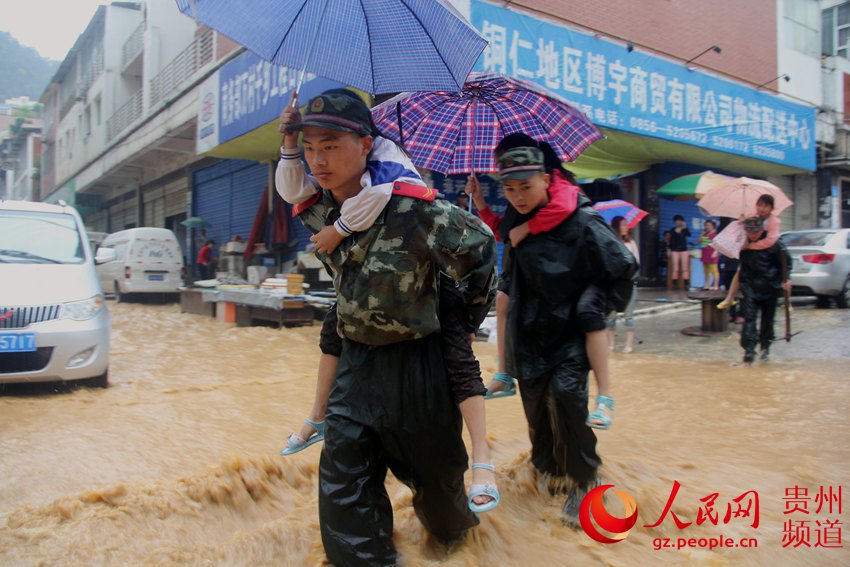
390,407
555,405
752,334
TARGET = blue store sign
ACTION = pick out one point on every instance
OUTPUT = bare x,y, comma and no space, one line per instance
252,93
643,94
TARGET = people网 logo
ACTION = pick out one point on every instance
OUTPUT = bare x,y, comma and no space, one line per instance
593,513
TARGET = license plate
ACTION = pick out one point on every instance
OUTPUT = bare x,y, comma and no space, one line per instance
19,342
156,278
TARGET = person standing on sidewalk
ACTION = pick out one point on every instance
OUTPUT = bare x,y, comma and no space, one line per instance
680,260
621,227
763,274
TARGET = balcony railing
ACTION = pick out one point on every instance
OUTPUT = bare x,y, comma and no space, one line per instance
134,46
124,116
169,81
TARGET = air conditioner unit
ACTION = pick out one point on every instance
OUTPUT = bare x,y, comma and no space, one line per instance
80,93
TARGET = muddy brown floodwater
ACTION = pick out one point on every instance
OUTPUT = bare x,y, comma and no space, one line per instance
177,462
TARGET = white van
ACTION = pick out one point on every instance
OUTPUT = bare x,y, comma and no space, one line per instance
140,260
54,324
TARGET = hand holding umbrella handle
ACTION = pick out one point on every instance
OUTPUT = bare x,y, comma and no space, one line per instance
289,118
473,189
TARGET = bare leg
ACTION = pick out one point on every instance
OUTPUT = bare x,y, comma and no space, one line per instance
612,341
472,410
733,291
502,301
324,382
630,342
597,344
597,352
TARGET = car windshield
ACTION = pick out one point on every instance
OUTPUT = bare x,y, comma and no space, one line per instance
806,238
28,237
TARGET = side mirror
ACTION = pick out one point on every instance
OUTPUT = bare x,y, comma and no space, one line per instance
105,255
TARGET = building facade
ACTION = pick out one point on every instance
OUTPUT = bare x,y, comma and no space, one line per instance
152,118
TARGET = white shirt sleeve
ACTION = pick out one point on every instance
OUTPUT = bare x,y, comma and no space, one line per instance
291,181
359,212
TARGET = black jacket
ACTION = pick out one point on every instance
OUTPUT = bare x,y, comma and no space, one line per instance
763,271
549,272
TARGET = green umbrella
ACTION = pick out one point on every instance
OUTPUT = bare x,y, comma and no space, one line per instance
195,222
693,186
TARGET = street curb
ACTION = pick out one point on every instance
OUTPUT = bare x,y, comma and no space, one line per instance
664,307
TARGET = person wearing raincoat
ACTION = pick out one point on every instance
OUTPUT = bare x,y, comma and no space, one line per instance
390,406
763,273
546,344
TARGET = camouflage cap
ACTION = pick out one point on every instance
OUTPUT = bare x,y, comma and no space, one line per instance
338,109
753,224
521,163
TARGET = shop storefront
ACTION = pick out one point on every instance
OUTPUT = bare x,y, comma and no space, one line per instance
661,118
237,122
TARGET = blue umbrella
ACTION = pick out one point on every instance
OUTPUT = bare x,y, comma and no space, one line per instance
619,208
378,46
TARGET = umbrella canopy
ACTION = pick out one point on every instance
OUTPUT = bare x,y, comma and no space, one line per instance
739,198
693,186
270,227
378,46
619,208
195,222
456,132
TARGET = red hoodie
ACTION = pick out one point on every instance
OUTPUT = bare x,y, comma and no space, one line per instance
563,198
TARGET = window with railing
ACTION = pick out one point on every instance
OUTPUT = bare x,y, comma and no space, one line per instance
182,68
124,116
134,45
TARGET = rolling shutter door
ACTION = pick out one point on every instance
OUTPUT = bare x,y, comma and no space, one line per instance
154,208
175,197
247,187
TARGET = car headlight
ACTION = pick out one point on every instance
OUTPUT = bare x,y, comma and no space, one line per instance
81,310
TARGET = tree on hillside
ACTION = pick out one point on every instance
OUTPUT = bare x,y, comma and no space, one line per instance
23,72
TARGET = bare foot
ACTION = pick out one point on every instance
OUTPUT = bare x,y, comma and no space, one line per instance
627,350
495,386
306,432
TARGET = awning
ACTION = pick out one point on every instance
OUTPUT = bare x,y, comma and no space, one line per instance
617,155
621,154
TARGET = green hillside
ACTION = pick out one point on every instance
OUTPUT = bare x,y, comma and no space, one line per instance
23,72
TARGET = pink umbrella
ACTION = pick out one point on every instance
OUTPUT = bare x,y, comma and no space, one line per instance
739,198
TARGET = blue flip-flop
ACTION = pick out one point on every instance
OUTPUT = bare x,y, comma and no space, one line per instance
319,435
485,489
510,386
599,415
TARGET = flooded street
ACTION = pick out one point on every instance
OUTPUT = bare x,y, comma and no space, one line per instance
177,462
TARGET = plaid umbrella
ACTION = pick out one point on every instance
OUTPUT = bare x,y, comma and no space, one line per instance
619,208
379,46
456,132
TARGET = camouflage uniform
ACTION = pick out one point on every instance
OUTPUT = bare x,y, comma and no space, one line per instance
391,404
386,277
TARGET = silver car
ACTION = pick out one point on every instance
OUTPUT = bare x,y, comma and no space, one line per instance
54,324
821,263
